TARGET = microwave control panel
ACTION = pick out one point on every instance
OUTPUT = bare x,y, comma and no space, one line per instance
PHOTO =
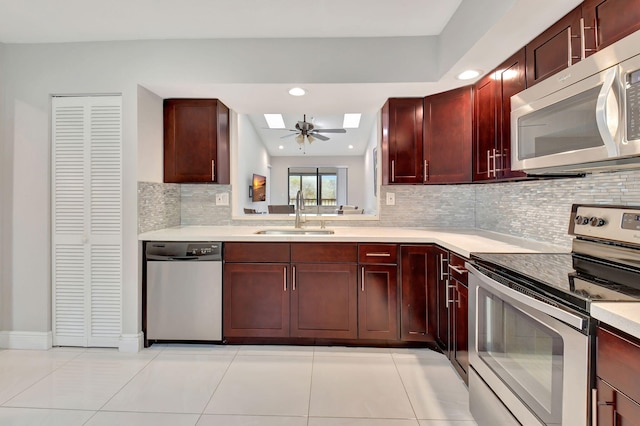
633,105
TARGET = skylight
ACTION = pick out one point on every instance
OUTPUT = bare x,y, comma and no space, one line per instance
274,121
351,121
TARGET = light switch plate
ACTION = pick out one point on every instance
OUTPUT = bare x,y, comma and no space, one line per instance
391,199
222,199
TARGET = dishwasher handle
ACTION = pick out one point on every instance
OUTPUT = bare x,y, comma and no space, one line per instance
172,258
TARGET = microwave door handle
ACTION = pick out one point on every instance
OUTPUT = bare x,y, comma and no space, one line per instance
607,113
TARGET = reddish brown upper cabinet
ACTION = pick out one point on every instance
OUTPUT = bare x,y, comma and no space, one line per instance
618,374
555,49
196,141
607,21
448,133
378,292
418,297
492,132
402,127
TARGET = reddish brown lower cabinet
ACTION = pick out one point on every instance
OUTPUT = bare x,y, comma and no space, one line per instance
324,300
459,318
615,408
378,302
618,378
418,320
256,300
440,259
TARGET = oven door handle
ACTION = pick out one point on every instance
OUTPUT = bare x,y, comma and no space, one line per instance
502,290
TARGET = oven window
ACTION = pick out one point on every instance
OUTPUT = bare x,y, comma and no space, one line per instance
524,353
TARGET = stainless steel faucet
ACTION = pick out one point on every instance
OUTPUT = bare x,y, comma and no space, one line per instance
299,206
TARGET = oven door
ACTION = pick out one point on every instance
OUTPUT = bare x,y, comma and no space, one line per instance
527,354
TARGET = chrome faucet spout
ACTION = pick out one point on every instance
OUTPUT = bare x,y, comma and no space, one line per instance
299,207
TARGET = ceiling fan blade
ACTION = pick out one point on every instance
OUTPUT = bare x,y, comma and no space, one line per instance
319,136
288,136
330,130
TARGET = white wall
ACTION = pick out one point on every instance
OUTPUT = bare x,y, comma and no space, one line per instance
5,196
252,158
280,175
370,202
150,137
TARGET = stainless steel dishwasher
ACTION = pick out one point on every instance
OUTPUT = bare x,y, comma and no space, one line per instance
184,291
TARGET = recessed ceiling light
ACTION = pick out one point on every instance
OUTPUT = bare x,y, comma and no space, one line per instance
350,146
468,74
351,121
297,91
274,121
281,147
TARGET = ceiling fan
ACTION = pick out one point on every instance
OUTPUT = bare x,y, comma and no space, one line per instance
306,130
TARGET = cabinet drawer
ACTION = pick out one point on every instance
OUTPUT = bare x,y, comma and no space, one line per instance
617,362
257,252
378,253
457,269
324,252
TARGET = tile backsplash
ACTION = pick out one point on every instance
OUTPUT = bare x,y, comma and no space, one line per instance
537,209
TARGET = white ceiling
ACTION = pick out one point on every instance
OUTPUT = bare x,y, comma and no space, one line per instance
47,21
480,39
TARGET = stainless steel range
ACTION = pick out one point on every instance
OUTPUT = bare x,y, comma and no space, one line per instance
530,331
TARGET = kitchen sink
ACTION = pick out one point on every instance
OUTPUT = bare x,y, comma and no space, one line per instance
295,232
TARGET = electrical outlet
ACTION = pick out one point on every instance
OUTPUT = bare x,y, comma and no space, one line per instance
222,199
391,199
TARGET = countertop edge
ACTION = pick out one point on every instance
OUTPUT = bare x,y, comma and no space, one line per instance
625,316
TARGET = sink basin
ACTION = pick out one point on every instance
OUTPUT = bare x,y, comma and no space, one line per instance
295,232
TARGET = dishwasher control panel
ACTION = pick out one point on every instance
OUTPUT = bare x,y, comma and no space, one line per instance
176,250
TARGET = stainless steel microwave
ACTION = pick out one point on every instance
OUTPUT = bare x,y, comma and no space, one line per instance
586,118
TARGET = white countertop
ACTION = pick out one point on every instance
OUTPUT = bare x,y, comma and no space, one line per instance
624,316
461,241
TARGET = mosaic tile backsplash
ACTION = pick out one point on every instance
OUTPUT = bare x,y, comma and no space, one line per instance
538,209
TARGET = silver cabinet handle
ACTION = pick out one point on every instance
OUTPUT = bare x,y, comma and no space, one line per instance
458,269
393,170
448,288
362,279
594,407
583,47
378,254
426,171
443,274
293,279
213,170
488,163
284,278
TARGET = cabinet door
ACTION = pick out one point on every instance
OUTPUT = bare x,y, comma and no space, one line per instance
511,80
448,136
418,320
555,49
324,301
440,259
610,20
402,130
256,300
485,130
378,302
614,407
196,141
459,310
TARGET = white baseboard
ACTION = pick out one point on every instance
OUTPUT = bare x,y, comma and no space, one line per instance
131,342
26,340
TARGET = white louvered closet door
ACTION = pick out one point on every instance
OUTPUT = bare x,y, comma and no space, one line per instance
87,220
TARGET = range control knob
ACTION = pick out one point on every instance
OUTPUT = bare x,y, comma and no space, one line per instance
597,221
578,220
585,220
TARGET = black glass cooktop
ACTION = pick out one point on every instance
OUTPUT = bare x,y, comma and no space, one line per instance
568,278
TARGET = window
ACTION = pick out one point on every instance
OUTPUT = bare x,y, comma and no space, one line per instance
319,185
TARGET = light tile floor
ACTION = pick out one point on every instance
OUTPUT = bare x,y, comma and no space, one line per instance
231,386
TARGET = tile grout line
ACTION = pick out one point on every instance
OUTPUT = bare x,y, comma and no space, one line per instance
218,385
406,392
123,386
40,379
